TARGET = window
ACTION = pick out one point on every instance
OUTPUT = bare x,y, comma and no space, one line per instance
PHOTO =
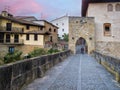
27,36
27,27
54,30
107,29
56,23
117,7
63,30
50,29
8,26
41,28
62,24
1,37
11,49
7,38
51,38
110,7
35,37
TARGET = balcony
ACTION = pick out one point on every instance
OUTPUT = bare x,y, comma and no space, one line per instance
13,29
12,41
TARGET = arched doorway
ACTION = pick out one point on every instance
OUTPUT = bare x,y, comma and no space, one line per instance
81,46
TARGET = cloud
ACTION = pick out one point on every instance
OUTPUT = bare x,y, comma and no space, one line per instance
42,8
22,7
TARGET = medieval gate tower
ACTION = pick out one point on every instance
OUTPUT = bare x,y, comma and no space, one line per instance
82,27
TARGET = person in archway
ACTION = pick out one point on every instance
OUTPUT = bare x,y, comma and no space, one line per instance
82,50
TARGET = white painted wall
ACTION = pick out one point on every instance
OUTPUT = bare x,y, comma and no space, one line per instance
99,11
62,23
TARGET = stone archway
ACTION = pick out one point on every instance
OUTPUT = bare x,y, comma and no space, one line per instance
81,46
81,27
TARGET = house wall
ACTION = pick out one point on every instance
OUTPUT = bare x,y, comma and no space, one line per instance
18,25
62,23
46,29
27,45
53,34
106,44
31,40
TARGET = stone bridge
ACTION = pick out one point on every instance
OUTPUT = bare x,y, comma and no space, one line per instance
77,72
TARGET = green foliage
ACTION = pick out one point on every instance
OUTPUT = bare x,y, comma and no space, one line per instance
37,52
50,51
66,37
12,57
1,61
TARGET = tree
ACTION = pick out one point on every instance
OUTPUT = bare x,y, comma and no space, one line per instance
65,37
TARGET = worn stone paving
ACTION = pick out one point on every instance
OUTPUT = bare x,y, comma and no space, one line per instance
78,72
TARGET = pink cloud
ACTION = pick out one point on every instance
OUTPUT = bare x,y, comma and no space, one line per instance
22,7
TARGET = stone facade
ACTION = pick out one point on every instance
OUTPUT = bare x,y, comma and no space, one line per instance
81,27
109,48
24,48
49,27
109,45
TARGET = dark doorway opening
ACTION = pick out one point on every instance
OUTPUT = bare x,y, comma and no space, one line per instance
81,46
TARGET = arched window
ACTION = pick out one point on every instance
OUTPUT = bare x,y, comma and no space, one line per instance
50,29
110,7
117,7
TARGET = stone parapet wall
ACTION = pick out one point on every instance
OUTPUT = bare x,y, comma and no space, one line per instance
16,75
110,63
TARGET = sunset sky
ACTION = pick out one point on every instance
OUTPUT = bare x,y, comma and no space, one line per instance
47,9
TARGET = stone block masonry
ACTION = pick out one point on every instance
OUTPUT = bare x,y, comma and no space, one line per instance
16,75
110,63
82,27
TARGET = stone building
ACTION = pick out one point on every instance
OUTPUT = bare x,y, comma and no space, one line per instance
107,25
22,35
81,34
106,17
49,27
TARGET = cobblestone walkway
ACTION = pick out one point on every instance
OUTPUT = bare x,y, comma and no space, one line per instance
78,72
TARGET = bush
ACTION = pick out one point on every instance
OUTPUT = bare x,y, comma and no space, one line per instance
12,57
37,52
50,51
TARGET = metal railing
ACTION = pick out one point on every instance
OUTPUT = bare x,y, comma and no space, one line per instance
13,29
11,41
